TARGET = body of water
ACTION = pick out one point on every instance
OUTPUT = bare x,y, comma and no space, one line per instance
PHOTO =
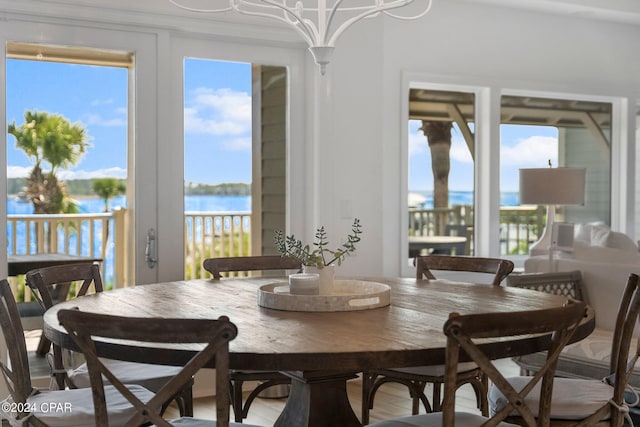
202,204
96,205
191,203
466,198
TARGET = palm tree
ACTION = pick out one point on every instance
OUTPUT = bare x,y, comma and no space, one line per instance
108,188
49,138
438,135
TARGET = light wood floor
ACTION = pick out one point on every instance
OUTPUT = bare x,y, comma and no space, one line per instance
391,401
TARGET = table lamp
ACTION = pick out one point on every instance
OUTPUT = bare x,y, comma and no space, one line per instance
551,187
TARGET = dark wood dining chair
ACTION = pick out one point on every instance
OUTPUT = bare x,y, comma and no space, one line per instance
48,284
266,379
218,266
417,378
588,402
84,328
34,407
498,268
567,283
464,335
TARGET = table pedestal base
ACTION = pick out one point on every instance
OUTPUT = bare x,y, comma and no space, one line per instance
318,399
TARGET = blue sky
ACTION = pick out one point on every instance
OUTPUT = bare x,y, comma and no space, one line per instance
217,122
217,116
521,147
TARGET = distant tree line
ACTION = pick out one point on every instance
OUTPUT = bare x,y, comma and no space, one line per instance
225,189
84,187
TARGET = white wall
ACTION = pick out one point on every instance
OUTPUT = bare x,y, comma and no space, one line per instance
506,50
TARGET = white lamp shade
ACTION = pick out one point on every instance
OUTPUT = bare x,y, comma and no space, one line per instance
552,186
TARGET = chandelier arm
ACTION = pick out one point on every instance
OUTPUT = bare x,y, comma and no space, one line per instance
192,9
381,9
334,12
411,18
303,26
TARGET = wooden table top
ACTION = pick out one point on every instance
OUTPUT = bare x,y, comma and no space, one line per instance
23,263
406,333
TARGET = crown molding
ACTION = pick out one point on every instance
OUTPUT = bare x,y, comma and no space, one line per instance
149,16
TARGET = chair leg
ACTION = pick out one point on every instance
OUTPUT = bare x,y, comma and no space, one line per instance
368,380
437,400
483,401
256,391
370,384
417,392
184,401
187,402
235,389
43,346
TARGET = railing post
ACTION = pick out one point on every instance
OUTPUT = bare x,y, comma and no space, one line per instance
120,248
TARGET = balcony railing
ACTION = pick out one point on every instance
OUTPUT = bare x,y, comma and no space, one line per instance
216,234
519,225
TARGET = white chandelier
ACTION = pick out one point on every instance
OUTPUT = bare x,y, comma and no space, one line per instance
319,24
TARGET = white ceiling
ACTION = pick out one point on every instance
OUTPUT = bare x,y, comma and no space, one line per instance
627,11
624,11
163,13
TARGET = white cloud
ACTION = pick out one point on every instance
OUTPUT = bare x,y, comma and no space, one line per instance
18,171
237,144
218,112
98,120
459,150
98,102
534,151
417,143
114,172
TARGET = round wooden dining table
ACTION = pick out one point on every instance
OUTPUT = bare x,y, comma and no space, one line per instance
320,351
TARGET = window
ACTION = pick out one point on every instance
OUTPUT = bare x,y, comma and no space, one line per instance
565,132
441,172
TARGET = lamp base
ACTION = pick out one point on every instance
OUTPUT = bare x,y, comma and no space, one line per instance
543,245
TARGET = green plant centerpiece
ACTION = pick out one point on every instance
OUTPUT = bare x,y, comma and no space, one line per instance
317,257
320,255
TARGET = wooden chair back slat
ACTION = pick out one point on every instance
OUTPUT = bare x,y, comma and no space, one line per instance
621,365
51,285
216,266
500,268
45,281
566,283
465,333
84,327
18,375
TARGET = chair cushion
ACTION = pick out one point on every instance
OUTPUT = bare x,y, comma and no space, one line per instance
434,371
463,419
30,309
74,408
573,399
152,377
587,359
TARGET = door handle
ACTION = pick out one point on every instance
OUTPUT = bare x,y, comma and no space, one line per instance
150,249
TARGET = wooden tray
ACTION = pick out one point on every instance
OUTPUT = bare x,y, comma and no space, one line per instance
347,295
